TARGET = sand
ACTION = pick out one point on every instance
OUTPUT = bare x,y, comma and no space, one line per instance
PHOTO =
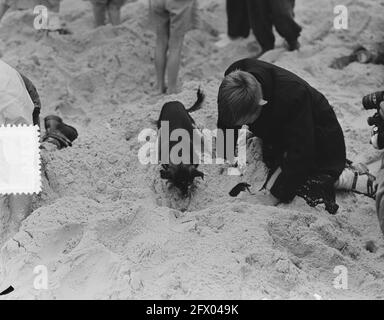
107,227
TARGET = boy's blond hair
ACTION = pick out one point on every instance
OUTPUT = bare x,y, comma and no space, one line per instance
239,94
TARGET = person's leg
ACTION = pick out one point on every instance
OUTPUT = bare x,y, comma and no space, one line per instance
182,13
261,23
160,17
237,15
99,12
162,39
237,22
283,20
174,60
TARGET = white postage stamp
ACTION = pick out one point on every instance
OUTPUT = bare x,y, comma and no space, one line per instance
19,160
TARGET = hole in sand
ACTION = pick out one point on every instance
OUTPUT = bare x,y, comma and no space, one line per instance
371,246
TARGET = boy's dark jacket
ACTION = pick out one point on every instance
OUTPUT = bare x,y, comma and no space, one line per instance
299,128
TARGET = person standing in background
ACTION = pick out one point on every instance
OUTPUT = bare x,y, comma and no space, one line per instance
238,22
173,19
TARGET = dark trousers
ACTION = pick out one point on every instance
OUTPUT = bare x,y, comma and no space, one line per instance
238,22
261,16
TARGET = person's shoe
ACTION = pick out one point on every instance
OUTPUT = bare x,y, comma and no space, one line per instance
59,133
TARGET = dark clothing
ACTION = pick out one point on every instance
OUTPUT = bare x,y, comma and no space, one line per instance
238,22
320,189
178,118
269,13
35,99
261,16
299,128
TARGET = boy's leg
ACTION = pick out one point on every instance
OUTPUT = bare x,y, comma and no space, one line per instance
161,17
99,12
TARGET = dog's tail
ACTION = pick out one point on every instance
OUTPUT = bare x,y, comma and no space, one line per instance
199,102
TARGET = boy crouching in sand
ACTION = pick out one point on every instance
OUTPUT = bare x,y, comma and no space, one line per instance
303,142
173,19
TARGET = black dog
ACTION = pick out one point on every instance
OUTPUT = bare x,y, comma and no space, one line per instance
180,175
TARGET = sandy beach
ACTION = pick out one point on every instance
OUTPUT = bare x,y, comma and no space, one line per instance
107,227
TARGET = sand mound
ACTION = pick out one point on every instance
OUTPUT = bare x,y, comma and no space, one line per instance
106,226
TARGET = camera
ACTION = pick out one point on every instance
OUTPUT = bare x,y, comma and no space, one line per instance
370,102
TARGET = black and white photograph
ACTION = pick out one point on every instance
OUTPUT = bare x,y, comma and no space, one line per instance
191,150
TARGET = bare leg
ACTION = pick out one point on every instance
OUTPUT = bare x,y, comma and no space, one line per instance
3,9
99,11
174,60
161,54
114,14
